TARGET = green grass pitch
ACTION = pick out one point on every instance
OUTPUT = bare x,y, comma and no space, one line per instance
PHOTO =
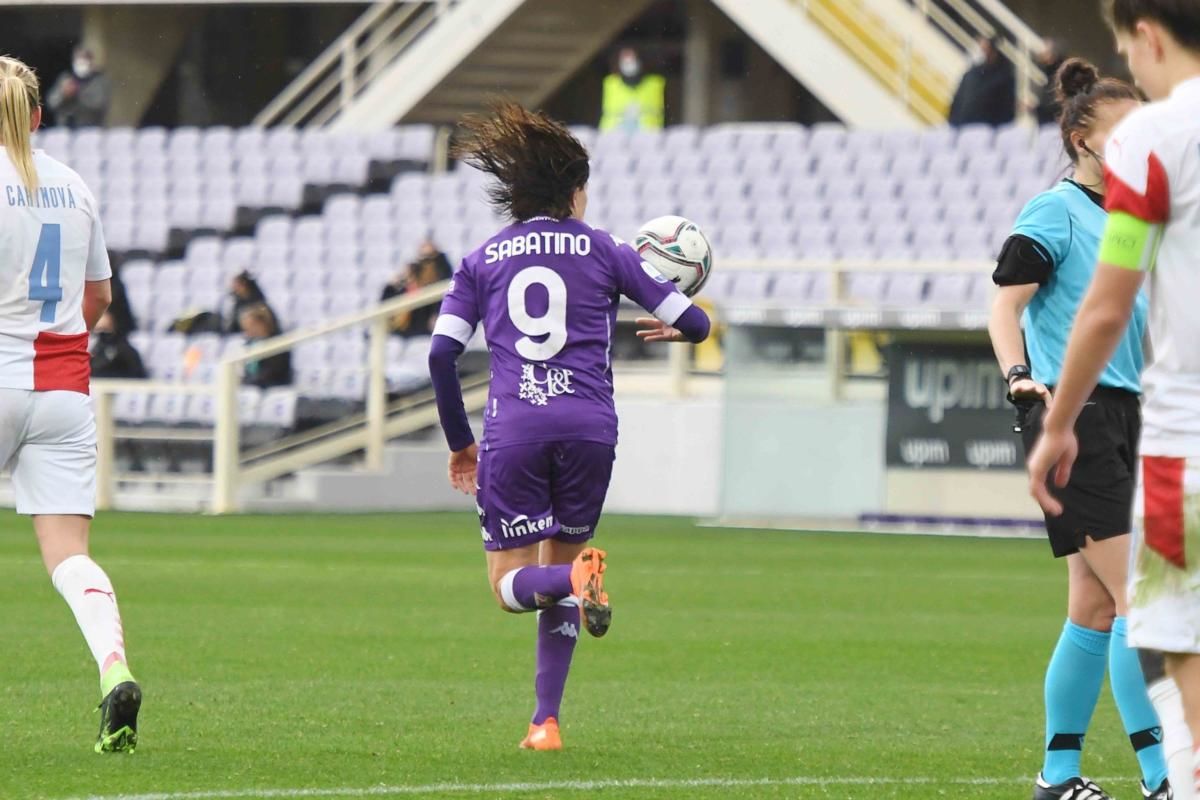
315,653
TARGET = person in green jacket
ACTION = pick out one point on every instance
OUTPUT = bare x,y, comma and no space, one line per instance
632,100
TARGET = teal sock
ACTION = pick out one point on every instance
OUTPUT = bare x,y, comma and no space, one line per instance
1073,682
1137,713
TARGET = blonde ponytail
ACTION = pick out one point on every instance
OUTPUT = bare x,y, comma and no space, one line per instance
19,98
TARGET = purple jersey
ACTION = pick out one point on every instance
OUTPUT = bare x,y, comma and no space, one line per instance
546,292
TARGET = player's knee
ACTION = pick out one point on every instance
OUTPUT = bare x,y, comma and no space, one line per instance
499,595
1096,614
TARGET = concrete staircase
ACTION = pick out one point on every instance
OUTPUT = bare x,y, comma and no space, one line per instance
523,49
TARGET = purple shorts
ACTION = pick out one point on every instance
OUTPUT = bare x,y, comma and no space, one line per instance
531,492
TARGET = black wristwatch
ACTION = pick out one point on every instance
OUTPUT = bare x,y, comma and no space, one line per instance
1019,372
1023,405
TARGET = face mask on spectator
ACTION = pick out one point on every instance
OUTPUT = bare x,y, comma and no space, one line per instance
629,66
82,68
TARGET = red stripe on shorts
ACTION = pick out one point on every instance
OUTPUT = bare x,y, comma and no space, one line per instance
1162,481
61,362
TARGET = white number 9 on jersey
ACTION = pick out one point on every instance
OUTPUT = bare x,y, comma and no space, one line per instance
552,325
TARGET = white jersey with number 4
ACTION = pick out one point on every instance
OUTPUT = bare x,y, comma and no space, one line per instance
51,242
1153,162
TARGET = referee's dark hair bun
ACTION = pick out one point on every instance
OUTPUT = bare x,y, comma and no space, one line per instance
1075,77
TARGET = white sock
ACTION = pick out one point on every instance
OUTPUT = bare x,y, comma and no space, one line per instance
89,593
1177,738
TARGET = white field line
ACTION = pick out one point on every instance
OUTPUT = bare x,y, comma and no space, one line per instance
574,786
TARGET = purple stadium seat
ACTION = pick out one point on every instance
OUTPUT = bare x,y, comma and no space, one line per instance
859,141
131,407
719,139
843,188
937,140
416,143
892,238
872,164
826,137
1014,139
680,138
866,288
949,290
278,408
348,384
285,191
834,165
847,212
975,138
945,166
885,211
905,290
351,168
319,168
792,285
725,165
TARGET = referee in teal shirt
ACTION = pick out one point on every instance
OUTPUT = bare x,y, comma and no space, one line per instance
1043,273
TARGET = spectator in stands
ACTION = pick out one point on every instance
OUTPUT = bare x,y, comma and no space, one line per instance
258,323
430,267
632,100
112,354
246,293
81,95
988,91
1049,59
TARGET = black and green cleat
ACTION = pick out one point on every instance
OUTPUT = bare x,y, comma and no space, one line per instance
118,718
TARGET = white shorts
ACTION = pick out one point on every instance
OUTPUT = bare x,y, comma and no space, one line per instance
48,441
1164,578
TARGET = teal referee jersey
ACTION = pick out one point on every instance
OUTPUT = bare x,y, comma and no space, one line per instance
1066,224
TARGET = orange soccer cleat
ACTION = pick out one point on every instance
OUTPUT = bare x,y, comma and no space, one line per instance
587,583
543,737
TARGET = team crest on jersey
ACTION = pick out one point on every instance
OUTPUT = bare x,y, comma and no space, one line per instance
554,382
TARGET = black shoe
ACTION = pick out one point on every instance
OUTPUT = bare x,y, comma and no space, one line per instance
1163,792
118,719
1073,789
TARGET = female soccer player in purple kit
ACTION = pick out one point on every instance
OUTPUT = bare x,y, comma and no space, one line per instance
546,289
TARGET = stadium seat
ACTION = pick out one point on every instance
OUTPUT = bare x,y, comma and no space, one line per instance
277,408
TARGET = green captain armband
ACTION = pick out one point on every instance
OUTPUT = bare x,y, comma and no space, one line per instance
1130,242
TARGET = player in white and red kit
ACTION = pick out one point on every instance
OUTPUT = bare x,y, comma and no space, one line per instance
54,285
1153,229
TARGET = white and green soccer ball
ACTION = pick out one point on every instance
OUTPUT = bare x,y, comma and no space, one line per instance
678,250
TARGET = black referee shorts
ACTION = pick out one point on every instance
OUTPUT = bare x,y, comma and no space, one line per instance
1098,500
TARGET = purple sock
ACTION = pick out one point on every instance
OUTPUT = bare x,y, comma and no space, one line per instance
558,631
522,587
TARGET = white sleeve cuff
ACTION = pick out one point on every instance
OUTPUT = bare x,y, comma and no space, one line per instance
672,308
456,328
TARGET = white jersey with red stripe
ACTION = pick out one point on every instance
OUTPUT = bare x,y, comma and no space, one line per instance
1153,163
51,243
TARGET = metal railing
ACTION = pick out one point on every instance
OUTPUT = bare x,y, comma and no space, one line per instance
371,43
888,51
232,468
235,467
1018,42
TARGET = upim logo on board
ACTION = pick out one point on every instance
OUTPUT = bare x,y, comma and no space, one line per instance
943,384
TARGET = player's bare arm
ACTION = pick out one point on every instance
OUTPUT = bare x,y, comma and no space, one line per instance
97,297
1004,328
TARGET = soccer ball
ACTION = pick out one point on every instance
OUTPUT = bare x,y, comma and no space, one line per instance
678,250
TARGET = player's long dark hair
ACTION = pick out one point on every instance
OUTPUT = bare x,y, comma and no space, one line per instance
1080,91
1180,17
537,163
